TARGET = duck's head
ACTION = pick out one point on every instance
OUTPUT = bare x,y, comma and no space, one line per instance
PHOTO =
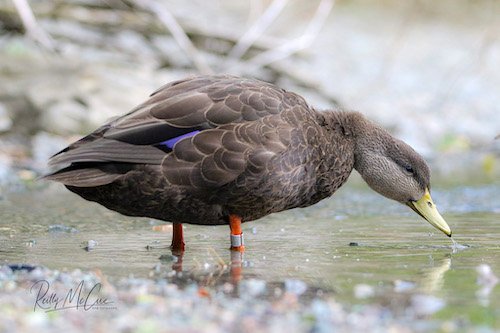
393,169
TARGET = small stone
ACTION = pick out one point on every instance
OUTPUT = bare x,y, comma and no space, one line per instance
424,305
38,273
60,228
295,286
36,319
91,244
401,286
362,291
253,287
22,267
227,287
6,270
26,175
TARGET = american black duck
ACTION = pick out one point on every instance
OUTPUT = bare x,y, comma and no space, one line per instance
225,150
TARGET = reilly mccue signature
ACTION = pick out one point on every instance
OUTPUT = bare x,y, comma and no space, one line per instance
77,298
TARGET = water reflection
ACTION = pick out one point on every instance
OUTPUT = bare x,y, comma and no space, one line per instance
433,277
205,274
313,245
430,280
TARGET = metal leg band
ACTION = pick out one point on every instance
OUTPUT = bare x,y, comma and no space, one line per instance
237,240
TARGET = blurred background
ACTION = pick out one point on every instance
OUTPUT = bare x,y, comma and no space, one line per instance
426,70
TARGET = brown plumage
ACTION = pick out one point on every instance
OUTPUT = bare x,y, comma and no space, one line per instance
203,148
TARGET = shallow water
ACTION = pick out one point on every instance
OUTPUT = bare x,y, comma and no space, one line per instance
357,237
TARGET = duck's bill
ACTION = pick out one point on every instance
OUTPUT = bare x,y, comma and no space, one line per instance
426,208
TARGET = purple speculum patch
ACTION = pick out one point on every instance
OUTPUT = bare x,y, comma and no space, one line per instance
171,142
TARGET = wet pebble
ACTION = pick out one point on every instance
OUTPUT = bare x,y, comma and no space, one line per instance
5,270
295,286
90,245
401,286
424,305
141,302
21,267
362,291
61,228
253,287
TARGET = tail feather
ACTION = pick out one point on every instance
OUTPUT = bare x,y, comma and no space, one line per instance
82,177
103,150
90,174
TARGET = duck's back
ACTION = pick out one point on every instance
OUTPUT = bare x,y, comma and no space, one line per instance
198,150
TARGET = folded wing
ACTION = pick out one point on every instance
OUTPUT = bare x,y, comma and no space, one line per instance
197,118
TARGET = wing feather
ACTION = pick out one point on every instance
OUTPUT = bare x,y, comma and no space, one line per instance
238,120
218,156
104,150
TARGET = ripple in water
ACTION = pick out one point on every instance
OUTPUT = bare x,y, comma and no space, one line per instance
456,247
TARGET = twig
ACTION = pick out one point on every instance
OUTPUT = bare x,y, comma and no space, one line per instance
31,25
287,49
256,30
221,262
177,32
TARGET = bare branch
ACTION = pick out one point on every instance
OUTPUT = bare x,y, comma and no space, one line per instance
300,43
256,30
31,25
177,32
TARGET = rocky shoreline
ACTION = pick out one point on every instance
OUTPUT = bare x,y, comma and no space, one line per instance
37,298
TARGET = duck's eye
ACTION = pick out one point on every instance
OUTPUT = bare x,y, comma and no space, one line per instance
408,168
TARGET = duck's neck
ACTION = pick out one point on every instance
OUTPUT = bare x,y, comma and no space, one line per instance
364,137
370,144
336,156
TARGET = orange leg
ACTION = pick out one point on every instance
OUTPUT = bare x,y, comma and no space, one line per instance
236,266
236,233
177,238
177,265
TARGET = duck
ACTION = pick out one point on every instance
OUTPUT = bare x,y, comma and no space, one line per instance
224,150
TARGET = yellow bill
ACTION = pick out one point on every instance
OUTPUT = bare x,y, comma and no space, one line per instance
426,208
